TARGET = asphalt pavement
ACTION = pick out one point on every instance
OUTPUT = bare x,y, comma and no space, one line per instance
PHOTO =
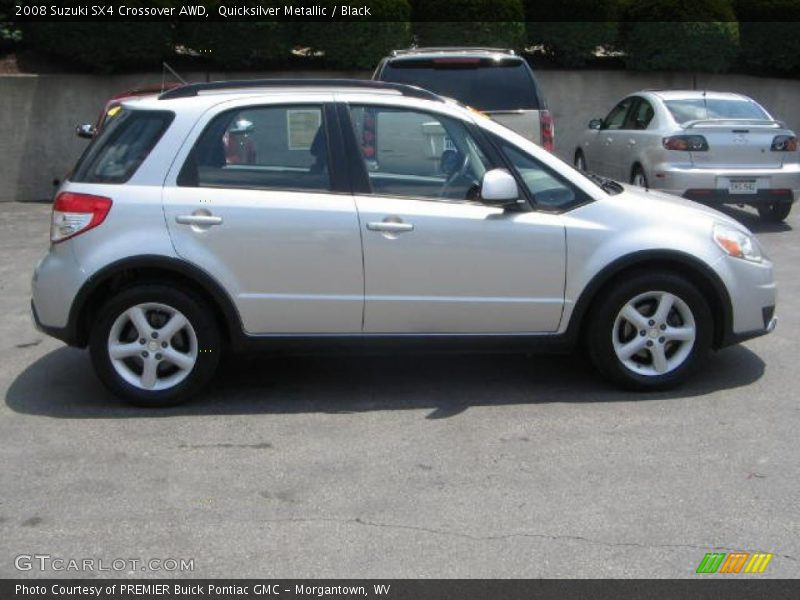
412,466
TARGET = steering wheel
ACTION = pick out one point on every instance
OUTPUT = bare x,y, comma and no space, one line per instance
457,177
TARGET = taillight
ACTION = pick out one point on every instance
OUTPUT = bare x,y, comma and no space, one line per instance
546,130
74,214
686,143
784,143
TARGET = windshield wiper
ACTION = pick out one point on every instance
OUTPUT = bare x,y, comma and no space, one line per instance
607,185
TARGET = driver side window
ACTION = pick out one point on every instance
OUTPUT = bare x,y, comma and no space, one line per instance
416,154
616,118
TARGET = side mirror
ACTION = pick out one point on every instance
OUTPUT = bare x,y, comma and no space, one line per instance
86,130
596,124
499,188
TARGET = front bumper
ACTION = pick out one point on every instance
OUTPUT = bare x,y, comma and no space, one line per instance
732,338
753,297
714,185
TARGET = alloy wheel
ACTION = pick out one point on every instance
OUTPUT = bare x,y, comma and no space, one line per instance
654,333
152,346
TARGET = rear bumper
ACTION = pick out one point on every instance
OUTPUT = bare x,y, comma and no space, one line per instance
713,185
65,334
717,196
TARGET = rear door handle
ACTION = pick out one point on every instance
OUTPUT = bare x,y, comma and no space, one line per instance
390,226
202,220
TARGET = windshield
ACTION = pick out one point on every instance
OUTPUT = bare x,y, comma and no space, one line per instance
485,84
698,109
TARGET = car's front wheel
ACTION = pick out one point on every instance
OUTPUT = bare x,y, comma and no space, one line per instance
155,345
650,331
774,212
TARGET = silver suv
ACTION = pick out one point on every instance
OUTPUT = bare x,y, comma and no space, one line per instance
231,216
494,81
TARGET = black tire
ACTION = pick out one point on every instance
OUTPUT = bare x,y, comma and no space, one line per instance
199,316
601,329
637,172
774,212
579,161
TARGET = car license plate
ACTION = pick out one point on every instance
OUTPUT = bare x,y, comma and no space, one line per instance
743,187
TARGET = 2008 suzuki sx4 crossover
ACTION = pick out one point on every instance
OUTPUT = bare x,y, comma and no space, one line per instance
231,216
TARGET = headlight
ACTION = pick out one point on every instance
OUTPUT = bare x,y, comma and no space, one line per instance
736,243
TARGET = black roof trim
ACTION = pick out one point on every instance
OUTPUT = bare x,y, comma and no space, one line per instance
192,89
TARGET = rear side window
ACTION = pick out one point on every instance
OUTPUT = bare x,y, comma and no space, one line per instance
698,109
263,147
483,83
125,142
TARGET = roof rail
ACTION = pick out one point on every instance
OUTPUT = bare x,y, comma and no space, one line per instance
192,89
426,49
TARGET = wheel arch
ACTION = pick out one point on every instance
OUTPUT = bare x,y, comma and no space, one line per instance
697,272
150,269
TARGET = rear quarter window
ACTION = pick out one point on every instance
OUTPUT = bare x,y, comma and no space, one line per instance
482,83
124,143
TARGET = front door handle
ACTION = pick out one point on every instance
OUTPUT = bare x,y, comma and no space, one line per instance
200,220
390,226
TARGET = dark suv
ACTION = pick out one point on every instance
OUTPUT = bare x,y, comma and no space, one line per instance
494,81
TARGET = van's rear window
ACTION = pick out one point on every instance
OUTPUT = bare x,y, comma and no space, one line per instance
482,83
122,145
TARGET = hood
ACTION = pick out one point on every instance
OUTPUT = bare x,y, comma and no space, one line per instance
653,201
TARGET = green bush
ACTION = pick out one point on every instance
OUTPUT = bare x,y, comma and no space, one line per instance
102,47
566,39
238,44
433,25
706,38
10,36
360,44
769,34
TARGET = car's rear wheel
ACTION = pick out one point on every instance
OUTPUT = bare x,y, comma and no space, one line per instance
774,212
154,345
580,161
650,332
638,177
